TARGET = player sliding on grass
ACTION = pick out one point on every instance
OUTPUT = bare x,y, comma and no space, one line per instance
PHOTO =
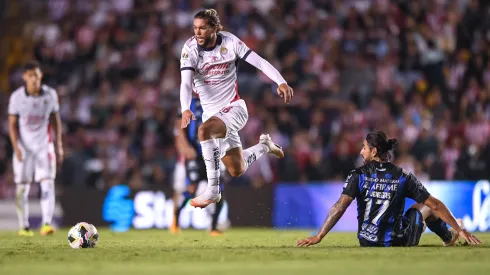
209,67
380,189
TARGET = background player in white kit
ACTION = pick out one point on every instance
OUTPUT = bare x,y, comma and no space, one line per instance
209,62
33,109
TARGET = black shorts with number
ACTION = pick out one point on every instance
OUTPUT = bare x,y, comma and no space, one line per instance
410,233
412,228
195,170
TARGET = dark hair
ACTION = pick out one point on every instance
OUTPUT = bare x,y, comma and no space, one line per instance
383,145
211,16
31,65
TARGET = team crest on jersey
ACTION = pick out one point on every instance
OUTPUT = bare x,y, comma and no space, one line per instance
185,55
223,50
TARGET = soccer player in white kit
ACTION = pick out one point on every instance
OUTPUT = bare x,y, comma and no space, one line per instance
33,110
209,64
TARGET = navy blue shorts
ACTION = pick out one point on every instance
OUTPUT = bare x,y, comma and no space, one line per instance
412,228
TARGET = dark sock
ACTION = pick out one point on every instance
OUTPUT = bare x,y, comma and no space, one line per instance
187,197
26,228
217,211
439,227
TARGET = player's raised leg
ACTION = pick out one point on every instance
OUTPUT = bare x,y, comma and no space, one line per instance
448,235
238,160
209,133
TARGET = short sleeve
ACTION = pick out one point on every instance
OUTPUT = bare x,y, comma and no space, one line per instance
13,106
187,60
351,185
415,189
241,49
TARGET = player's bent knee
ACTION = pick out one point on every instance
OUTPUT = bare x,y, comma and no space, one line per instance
236,171
212,128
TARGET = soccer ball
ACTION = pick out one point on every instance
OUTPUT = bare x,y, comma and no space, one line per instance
83,235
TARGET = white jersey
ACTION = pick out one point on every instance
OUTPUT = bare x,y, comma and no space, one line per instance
215,77
34,113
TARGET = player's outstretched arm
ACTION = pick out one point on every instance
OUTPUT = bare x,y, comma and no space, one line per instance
334,215
258,62
440,209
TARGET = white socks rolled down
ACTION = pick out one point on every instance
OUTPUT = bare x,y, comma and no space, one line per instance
47,200
251,154
22,204
212,156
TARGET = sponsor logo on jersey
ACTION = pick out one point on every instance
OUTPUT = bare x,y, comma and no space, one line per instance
185,55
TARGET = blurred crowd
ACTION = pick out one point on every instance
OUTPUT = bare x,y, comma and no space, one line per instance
417,69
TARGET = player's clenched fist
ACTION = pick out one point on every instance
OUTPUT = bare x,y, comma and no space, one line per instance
187,115
285,91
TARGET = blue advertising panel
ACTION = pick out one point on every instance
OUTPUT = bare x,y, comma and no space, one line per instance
307,206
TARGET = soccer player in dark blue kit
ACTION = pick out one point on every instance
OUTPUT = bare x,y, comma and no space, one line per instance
380,189
188,144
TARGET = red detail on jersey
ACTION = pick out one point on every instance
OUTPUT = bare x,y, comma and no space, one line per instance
195,92
226,109
50,137
237,96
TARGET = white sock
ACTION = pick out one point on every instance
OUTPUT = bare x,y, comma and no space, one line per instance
21,199
47,200
212,156
251,154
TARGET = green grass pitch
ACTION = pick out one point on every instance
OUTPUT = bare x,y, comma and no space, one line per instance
239,251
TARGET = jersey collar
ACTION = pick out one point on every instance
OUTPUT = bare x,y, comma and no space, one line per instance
219,39
41,93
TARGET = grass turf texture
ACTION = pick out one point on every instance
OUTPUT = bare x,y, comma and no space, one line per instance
239,251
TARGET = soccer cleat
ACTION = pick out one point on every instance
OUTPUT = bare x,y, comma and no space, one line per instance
208,197
25,233
274,149
174,228
454,234
47,230
215,233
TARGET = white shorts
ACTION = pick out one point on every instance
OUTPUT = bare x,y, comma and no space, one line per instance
35,165
179,176
235,116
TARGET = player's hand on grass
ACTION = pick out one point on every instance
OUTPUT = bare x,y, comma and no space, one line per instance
308,241
469,238
187,115
286,92
18,154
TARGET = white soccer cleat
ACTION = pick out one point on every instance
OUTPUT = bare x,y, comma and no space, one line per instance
454,234
208,197
274,149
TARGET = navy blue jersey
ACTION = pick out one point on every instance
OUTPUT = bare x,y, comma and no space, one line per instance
192,128
380,190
